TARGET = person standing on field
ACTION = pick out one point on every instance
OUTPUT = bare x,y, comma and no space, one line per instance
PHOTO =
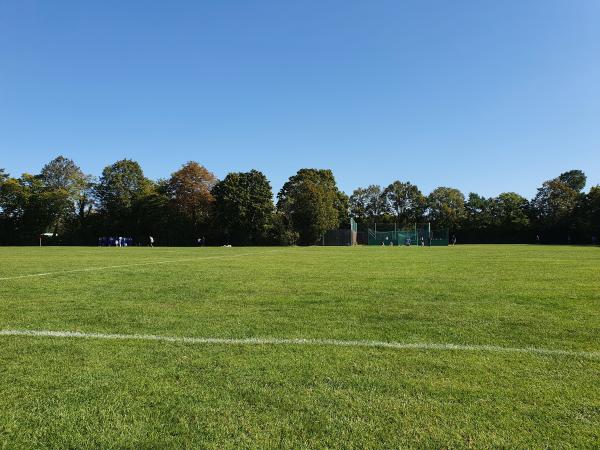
453,240
151,239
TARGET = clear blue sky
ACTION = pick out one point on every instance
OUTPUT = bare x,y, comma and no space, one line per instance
485,96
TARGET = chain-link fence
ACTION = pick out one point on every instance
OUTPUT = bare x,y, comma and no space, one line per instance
338,237
386,234
415,236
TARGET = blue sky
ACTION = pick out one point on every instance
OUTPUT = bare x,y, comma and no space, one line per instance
485,96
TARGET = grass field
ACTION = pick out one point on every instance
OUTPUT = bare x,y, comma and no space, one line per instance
503,306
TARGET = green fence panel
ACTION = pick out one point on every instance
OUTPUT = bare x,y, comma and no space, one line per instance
419,236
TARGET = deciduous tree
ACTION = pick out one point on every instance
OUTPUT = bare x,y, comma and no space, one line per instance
312,203
120,185
405,201
575,179
69,187
367,203
446,207
593,211
555,204
510,212
189,190
244,206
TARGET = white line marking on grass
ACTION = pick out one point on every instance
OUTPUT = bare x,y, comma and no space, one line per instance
146,263
298,341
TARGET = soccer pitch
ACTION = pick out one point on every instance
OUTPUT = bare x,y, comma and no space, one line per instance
468,346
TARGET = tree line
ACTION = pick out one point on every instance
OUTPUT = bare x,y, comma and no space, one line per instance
561,212
72,207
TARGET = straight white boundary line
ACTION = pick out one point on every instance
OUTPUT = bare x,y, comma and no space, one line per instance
300,341
146,263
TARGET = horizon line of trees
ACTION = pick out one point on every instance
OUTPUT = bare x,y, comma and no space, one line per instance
77,209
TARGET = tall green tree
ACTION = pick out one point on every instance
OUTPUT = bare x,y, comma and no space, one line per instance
12,208
86,199
120,185
590,215
479,212
244,206
153,217
29,207
511,212
342,204
446,207
359,201
281,231
312,203
555,204
7,202
575,179
68,187
593,201
405,201
367,204
119,188
63,173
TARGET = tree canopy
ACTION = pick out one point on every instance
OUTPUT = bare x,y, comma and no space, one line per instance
446,207
120,185
190,192
554,203
244,207
405,201
312,203
77,208
575,179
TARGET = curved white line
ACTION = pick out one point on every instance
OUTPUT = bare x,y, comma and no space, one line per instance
301,341
146,263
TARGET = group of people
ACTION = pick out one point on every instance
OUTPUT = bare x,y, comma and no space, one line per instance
119,241
127,241
408,241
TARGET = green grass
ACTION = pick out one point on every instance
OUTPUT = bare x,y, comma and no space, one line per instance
83,393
